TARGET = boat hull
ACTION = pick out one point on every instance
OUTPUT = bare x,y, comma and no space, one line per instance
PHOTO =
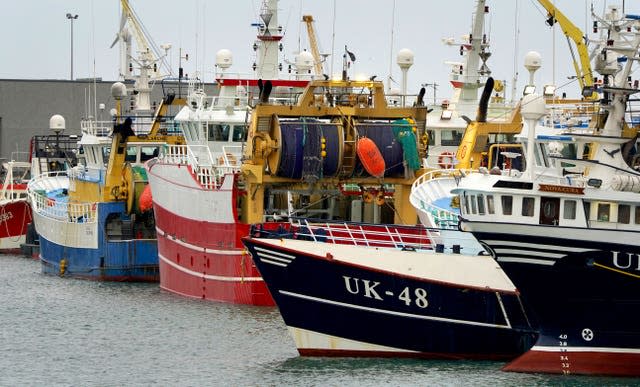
337,308
15,217
200,251
95,256
134,260
583,286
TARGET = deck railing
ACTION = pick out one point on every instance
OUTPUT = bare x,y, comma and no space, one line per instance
210,171
348,233
60,210
96,128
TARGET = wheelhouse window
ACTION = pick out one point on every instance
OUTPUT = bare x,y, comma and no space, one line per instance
507,204
624,213
569,209
637,215
218,132
481,204
541,156
450,137
132,154
527,206
240,133
474,209
490,204
464,204
604,210
149,152
106,152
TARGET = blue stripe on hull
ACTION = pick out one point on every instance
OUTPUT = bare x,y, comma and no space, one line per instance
135,260
370,306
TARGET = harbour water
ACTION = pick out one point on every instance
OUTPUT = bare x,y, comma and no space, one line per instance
59,331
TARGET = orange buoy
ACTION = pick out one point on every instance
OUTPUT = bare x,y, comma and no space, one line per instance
370,157
146,200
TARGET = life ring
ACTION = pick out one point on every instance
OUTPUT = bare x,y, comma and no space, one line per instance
445,160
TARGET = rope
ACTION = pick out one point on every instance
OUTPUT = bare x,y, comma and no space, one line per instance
311,159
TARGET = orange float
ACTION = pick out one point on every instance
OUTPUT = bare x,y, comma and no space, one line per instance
370,157
146,200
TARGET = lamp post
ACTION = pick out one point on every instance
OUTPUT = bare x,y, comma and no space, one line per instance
71,18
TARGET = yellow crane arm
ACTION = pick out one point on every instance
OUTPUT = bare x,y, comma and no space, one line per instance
142,43
583,70
308,19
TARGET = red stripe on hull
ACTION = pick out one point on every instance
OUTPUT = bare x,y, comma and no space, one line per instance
207,261
577,363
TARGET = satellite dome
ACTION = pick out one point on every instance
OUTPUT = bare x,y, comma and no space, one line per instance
405,58
532,61
304,61
118,90
224,58
56,123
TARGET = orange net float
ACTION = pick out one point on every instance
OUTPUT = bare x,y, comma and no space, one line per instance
445,160
146,199
370,157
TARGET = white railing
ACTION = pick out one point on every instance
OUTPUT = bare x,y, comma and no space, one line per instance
96,128
370,235
208,170
60,210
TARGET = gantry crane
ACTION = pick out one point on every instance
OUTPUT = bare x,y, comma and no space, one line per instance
583,69
317,60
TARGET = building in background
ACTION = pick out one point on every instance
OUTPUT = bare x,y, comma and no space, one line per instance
26,106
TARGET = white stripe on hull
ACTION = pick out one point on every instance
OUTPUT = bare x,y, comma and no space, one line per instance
541,254
206,276
392,312
197,248
536,246
532,261
306,339
562,233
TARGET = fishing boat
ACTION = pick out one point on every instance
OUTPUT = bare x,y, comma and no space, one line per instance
88,218
449,118
299,155
196,187
354,289
54,152
15,213
570,243
495,140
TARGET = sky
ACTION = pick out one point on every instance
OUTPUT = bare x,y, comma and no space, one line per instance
37,36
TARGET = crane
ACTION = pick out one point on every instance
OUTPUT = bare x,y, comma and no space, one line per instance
148,57
308,19
583,69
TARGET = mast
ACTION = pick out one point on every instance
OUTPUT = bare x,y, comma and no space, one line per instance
267,64
477,48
